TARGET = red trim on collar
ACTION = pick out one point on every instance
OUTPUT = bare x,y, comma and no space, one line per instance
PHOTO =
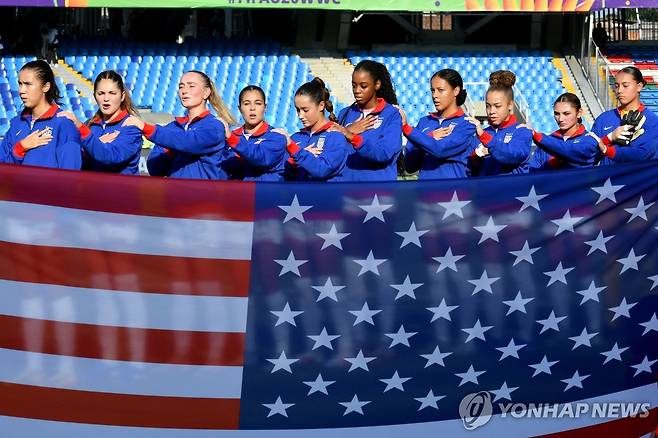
458,113
580,131
511,120
260,131
47,115
322,128
183,120
640,108
115,119
381,104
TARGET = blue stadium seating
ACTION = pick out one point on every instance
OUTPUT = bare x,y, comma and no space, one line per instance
537,78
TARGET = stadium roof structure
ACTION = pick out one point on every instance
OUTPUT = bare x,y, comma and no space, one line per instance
356,5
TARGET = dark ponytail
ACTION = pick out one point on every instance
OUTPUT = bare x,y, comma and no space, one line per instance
45,75
635,72
455,80
251,88
380,73
572,100
318,93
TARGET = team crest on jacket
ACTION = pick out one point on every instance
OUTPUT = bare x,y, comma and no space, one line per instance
378,123
508,138
320,144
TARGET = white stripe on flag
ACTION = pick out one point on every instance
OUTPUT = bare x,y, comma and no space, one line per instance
504,427
45,225
123,309
119,377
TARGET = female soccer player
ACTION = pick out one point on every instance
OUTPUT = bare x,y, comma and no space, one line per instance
108,145
193,146
505,145
571,145
260,150
315,152
440,144
629,132
372,125
37,137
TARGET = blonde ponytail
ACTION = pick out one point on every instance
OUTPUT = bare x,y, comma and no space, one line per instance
215,100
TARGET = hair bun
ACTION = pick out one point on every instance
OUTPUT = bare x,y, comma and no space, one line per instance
502,78
319,81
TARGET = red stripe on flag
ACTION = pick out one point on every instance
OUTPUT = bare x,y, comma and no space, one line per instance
118,409
623,427
177,198
115,343
89,268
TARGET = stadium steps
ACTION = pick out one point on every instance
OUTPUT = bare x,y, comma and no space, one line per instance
70,76
334,70
569,82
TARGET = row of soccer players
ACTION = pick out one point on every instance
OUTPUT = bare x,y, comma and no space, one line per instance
363,143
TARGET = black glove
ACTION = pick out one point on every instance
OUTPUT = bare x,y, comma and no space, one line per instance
635,119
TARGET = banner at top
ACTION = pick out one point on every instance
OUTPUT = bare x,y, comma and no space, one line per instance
358,5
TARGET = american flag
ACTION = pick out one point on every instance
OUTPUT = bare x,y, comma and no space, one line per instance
144,307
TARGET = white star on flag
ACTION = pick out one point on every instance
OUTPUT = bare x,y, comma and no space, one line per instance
517,304
324,339
442,311
551,322
613,354
544,366
598,243
532,200
436,357
360,361
454,206
364,315
591,293
654,280
429,401
286,315
640,210
483,283
278,407
332,238
328,290
407,288
511,350
489,231
448,261
370,264
622,309
355,405
375,210
294,210
504,393
651,325
477,331
319,385
395,382
583,338
401,337
469,376
291,264
566,223
607,191
411,236
574,381
558,274
630,262
282,363
524,254
644,366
